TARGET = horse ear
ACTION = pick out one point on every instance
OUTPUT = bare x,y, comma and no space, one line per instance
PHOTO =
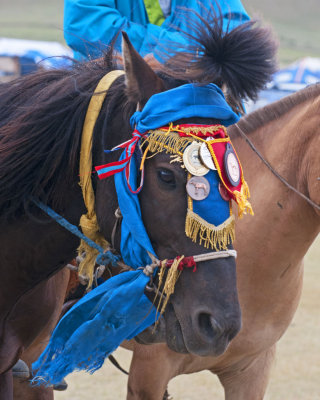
142,82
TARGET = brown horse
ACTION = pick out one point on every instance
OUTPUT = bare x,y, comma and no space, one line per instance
270,248
41,119
270,252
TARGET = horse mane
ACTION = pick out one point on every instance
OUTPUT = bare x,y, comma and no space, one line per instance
41,119
273,111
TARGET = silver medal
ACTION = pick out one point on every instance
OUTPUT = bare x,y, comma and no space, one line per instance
232,166
206,157
198,188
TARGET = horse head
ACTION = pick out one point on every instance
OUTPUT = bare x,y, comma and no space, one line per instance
203,313
177,227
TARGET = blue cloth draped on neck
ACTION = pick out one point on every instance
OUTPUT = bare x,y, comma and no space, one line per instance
184,102
95,326
112,312
135,241
118,309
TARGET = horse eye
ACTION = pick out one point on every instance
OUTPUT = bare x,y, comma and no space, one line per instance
166,176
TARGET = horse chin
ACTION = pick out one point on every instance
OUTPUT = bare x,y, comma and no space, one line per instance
169,330
153,334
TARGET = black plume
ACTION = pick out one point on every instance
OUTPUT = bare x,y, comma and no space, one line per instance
242,60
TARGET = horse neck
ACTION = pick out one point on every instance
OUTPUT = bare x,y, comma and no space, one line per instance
289,143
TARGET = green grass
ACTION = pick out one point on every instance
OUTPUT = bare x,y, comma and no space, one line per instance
295,22
32,19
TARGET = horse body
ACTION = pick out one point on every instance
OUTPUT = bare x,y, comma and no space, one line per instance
270,252
26,266
53,293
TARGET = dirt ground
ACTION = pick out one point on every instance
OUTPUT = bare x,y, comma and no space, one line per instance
295,375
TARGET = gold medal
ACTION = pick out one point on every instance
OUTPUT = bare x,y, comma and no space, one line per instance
192,162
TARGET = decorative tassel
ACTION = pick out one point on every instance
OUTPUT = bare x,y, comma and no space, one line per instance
172,277
209,235
245,189
177,159
244,205
170,282
90,228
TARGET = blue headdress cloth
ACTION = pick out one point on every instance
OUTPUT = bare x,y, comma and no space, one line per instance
118,309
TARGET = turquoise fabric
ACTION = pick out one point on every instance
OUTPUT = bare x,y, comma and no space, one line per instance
135,241
95,326
91,25
213,209
185,101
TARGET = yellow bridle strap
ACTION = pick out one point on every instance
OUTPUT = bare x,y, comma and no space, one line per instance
88,222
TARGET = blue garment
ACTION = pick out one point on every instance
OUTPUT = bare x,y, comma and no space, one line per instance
90,25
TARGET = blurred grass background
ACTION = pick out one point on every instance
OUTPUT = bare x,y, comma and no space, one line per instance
295,22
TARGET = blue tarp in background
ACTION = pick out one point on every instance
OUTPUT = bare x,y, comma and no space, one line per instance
288,80
33,53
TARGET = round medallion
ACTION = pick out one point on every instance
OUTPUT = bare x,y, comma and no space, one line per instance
232,166
198,188
224,193
206,157
191,160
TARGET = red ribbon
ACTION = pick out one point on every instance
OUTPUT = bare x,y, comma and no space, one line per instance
186,262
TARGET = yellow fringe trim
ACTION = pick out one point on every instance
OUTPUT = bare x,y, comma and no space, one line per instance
209,235
177,158
195,129
172,144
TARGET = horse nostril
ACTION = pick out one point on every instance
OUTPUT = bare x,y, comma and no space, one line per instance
208,326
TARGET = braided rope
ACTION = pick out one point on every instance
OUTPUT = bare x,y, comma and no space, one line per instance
103,258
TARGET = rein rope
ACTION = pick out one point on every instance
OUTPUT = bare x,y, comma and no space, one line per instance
275,173
105,257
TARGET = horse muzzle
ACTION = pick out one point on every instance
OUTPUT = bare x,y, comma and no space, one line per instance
203,315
